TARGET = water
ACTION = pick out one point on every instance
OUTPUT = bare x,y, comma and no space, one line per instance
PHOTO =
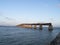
24,36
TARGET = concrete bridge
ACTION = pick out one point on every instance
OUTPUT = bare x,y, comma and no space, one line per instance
34,25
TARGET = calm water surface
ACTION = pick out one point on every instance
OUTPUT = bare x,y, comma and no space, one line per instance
24,36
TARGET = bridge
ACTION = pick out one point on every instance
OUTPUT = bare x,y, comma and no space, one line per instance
34,25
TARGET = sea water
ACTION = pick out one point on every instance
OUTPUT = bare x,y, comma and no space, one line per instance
12,35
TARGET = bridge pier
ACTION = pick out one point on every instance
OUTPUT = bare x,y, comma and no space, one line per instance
31,26
50,27
35,26
40,27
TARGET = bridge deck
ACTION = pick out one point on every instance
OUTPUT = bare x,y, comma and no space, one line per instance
36,24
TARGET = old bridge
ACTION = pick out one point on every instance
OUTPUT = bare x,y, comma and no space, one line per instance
34,25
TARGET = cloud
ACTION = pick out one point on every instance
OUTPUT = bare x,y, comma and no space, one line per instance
8,18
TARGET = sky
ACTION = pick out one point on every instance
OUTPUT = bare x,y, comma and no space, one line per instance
13,12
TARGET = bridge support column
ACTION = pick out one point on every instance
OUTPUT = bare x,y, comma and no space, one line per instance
31,26
40,27
50,27
34,26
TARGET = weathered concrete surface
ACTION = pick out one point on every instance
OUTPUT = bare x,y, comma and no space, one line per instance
26,26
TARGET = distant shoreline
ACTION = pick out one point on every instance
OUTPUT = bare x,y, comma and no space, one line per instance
7,26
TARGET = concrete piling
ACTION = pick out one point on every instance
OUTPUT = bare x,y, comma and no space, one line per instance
40,27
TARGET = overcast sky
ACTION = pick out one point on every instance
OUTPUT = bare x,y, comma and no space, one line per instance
13,12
